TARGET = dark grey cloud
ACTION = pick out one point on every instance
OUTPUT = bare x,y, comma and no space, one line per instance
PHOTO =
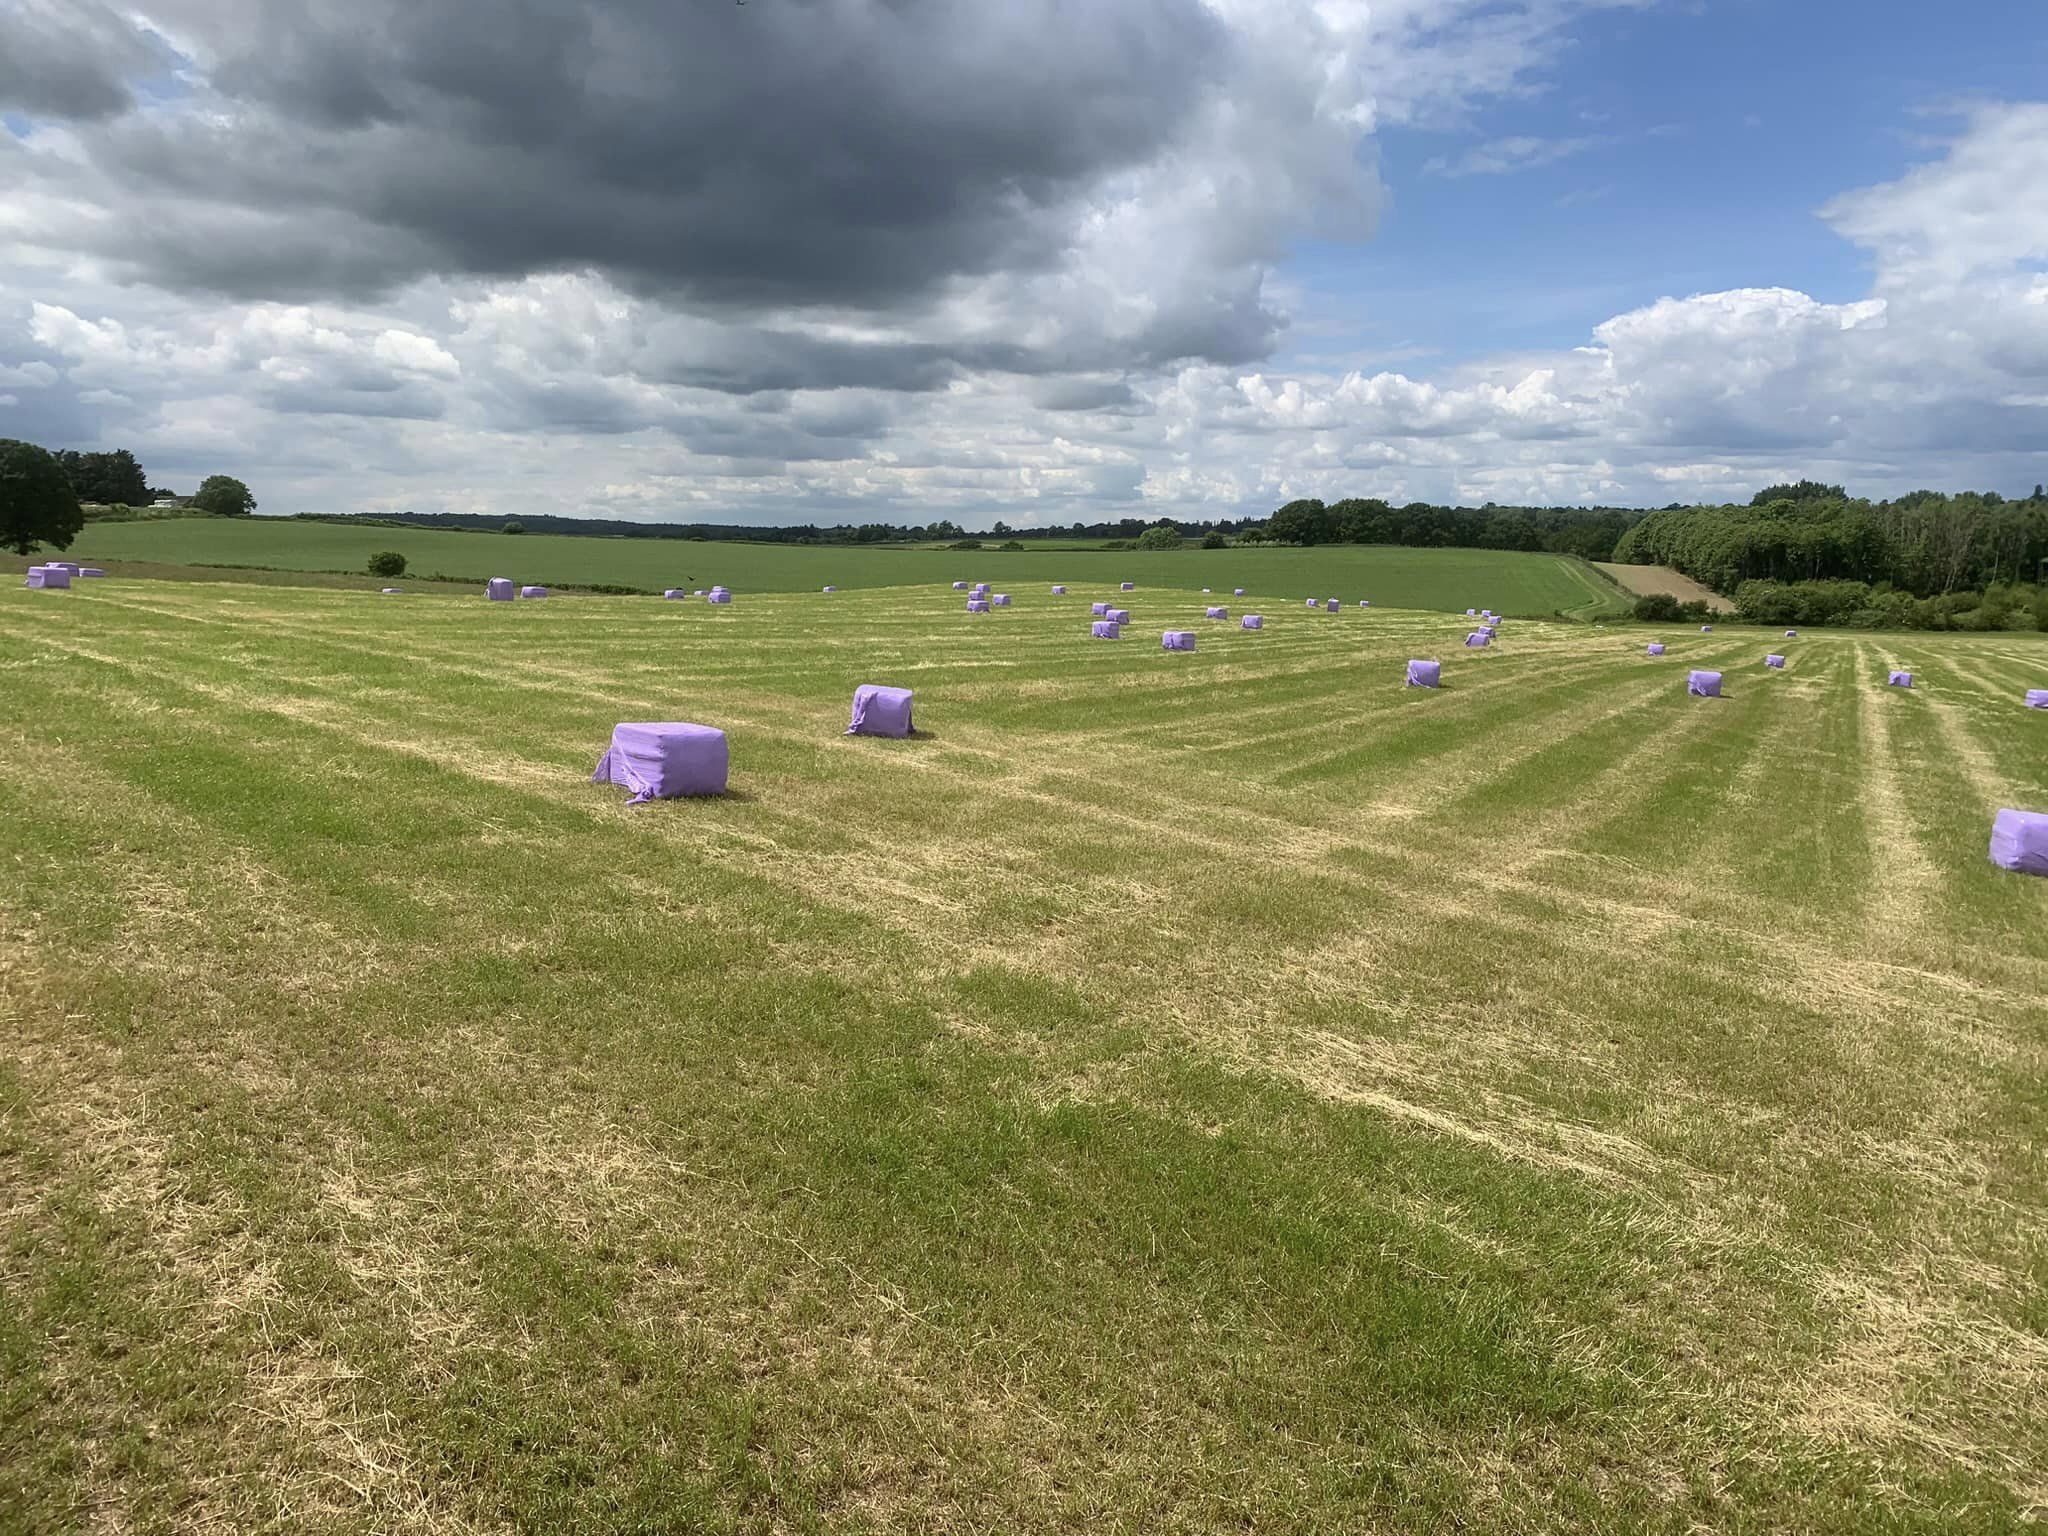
781,153
72,59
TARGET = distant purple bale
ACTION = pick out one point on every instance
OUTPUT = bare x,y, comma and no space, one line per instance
42,577
959,586
977,605
1218,613
392,592
2019,841
661,760
1118,615
880,711
831,589
1059,591
499,589
2037,698
1425,674
1901,680
1130,586
1654,648
1774,661
718,595
1177,640
1098,609
1315,602
979,589
1365,602
1706,685
533,591
1205,591
1001,599
90,570
1478,637
1253,621
1237,591
1471,613
1103,629
1791,634
1706,629
675,594
68,567
1335,606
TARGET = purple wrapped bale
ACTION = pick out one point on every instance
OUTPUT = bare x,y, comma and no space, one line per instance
1058,590
1237,591
1705,685
676,595
979,589
1118,615
1253,621
2037,698
1706,629
1103,629
1791,634
2019,841
499,589
718,595
1205,592
1218,613
1177,640
393,591
1335,606
68,567
1098,609
831,589
1901,680
533,591
1130,586
90,570
1478,637
1775,661
977,605
1001,599
1365,602
661,760
1654,648
1425,674
47,577
880,711
959,586
1471,613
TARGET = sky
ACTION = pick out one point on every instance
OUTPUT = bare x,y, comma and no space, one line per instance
1042,261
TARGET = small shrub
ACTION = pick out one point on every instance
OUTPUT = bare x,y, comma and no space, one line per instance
515,526
1009,544
1163,536
965,544
387,562
1214,540
1658,608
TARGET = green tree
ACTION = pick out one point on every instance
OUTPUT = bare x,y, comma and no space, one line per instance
1214,540
224,496
1306,521
107,479
37,503
515,526
1803,490
1160,536
387,562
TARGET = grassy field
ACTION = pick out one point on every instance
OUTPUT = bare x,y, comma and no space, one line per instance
1173,1093
1454,579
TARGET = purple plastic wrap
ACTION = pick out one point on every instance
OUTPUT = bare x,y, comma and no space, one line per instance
1315,602
1706,629
1237,591
1706,685
1774,661
1471,613
1425,674
2019,841
1118,615
979,589
1654,648
1218,613
831,589
1130,586
959,586
47,577
392,591
1253,621
977,605
2037,698
90,570
1791,634
1901,680
499,589
1098,609
1205,592
1059,591
718,595
68,567
1365,602
660,760
1478,637
533,591
880,711
675,594
1177,640
1335,606
1001,599
1103,629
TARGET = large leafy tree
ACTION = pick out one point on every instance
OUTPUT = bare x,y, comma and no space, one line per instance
107,479
37,503
1306,521
224,496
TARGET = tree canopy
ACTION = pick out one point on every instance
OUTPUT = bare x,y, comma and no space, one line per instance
224,496
106,479
37,502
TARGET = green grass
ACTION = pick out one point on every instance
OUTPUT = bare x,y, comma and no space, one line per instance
1454,579
1171,1093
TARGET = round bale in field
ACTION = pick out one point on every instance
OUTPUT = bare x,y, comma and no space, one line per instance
664,759
880,711
2019,841
1425,674
1705,685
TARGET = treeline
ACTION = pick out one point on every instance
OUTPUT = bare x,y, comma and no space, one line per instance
1588,532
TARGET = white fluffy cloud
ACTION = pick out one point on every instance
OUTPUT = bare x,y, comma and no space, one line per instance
1115,362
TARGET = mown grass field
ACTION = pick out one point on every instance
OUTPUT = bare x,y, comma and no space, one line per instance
1173,1093
1454,579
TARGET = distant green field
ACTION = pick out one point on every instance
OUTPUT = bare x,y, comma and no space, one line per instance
1455,579
1221,1092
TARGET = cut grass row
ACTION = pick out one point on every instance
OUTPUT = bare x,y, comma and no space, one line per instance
1176,1093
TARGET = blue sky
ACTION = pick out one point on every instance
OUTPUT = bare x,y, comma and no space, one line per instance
1033,260
1696,146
